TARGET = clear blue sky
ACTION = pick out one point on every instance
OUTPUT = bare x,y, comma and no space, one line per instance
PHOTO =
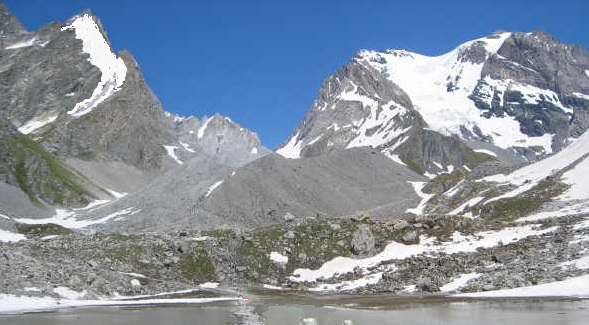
262,62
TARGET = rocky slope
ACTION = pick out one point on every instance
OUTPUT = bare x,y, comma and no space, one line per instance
341,183
524,93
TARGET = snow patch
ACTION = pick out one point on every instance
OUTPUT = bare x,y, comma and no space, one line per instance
113,69
580,263
397,159
68,218
291,150
22,44
417,187
213,187
136,275
35,124
271,287
582,96
485,151
201,131
209,285
186,147
349,285
116,194
470,203
68,293
315,140
572,287
171,150
278,258
380,119
9,237
568,210
459,282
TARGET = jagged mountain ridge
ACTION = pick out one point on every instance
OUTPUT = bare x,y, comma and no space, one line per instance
379,98
92,112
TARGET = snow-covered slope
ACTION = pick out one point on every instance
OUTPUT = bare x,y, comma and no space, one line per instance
113,69
439,86
497,89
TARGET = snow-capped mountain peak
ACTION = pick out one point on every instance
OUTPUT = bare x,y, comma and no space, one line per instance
439,86
498,89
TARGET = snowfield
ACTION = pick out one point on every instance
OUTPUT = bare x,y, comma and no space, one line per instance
11,304
425,80
573,287
68,218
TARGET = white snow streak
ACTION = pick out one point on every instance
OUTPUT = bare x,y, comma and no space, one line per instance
35,124
22,44
469,204
349,285
459,282
186,147
485,151
201,131
417,187
113,69
213,187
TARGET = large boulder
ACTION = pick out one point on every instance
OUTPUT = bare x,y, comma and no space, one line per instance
362,240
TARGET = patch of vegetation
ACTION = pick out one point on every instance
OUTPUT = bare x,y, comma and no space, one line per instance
414,166
59,186
474,158
87,155
41,230
220,233
444,182
20,174
524,204
197,266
